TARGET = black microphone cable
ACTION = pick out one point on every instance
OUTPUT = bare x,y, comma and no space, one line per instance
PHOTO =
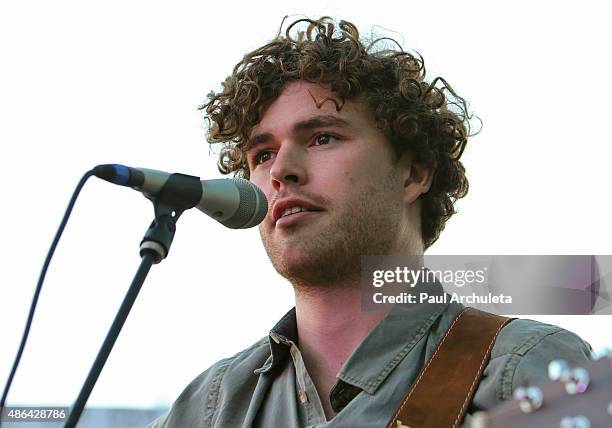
41,279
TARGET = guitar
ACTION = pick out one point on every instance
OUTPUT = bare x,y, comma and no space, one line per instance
578,397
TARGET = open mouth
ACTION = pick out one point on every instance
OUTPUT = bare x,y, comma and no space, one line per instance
294,210
293,215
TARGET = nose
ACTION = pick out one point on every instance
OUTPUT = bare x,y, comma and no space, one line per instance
288,167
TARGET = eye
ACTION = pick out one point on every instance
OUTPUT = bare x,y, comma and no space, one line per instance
322,139
262,156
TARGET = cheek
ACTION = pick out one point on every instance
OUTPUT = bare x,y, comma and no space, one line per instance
353,171
259,179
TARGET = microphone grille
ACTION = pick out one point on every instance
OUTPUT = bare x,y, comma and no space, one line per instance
252,208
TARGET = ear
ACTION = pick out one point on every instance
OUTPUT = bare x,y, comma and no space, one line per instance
417,179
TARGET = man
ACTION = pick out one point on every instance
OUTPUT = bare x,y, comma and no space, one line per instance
357,155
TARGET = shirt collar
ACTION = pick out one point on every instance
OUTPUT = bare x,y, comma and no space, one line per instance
380,352
388,343
284,331
386,346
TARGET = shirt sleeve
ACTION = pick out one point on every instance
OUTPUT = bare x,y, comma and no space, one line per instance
196,405
532,368
199,404
521,356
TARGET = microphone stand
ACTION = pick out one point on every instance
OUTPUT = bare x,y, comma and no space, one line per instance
154,248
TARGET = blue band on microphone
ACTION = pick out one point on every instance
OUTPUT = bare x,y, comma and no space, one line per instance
123,174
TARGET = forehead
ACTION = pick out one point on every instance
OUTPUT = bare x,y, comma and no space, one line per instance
300,100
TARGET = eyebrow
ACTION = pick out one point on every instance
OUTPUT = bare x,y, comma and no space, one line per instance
320,121
314,122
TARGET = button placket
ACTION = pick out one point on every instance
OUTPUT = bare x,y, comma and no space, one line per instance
307,393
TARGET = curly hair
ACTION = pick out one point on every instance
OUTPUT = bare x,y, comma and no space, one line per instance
426,118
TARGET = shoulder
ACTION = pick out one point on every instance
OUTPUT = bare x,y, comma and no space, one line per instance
522,336
521,355
198,402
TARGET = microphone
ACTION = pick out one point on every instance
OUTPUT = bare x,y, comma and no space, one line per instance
235,203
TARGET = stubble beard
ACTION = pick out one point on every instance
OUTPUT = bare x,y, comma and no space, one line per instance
330,249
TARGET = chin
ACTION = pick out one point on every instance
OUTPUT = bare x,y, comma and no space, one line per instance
293,263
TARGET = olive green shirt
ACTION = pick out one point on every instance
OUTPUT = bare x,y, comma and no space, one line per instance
267,385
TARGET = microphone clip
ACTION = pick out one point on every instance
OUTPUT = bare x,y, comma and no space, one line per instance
179,193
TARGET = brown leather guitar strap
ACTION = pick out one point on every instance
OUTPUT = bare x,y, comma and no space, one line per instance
443,390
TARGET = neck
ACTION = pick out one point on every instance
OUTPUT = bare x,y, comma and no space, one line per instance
331,325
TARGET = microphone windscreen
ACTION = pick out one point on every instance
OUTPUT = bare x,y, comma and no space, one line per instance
253,206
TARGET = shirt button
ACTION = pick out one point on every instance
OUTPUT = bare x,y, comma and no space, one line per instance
303,396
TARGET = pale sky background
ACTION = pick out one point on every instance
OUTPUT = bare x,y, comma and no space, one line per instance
84,83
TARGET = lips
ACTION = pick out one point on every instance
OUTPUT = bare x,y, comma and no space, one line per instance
284,206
